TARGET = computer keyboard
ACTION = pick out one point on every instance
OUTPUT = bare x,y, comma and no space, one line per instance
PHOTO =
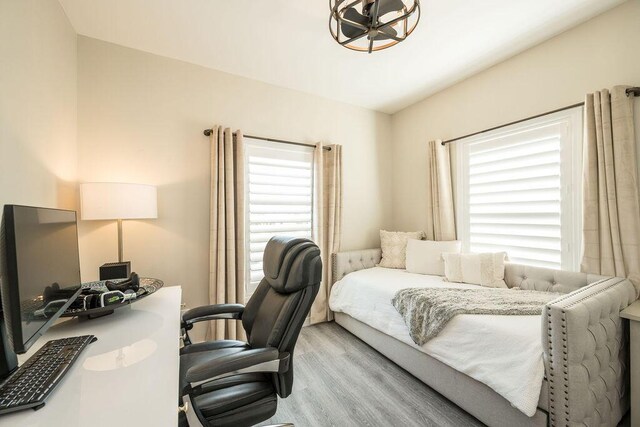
31,383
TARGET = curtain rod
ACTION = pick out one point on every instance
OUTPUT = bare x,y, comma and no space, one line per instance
630,91
580,104
207,132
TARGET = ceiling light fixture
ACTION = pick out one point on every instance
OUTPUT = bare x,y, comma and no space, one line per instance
370,25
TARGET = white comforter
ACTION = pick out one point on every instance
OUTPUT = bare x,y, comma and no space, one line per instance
503,352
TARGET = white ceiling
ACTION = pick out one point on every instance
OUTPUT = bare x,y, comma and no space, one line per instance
287,42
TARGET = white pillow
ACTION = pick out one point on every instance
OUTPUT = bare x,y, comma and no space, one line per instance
425,256
486,269
394,247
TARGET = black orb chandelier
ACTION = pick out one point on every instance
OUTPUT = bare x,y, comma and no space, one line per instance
370,25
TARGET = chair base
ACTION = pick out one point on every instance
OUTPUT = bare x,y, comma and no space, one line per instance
246,416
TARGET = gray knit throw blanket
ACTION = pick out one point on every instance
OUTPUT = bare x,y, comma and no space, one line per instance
426,311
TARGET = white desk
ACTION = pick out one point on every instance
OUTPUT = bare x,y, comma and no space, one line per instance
129,377
633,314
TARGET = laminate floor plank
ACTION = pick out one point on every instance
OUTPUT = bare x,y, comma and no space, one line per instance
340,381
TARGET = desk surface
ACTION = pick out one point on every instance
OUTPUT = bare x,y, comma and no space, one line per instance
129,377
632,312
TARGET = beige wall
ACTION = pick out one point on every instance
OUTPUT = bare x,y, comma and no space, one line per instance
38,151
598,54
141,118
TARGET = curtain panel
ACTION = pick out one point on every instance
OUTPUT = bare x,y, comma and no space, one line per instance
327,221
611,212
227,230
441,223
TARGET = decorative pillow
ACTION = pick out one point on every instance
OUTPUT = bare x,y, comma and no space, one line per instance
486,269
425,256
394,247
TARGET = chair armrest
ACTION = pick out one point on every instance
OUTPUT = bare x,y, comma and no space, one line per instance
343,263
586,354
256,360
212,312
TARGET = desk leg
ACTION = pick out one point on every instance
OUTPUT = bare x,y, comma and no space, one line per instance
635,372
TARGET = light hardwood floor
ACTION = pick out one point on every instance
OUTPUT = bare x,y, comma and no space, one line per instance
341,381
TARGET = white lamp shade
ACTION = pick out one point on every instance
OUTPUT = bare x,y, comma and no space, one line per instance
110,200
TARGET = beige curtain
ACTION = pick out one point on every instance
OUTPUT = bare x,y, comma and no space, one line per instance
611,213
441,223
226,257
327,221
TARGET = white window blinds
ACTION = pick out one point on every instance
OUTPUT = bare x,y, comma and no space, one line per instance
520,191
279,198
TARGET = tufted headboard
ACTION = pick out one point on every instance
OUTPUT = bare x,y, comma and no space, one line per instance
546,279
515,275
343,263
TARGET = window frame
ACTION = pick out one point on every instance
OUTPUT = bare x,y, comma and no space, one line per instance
291,151
570,125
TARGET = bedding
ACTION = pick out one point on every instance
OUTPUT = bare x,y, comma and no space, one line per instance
484,269
394,247
425,256
503,352
427,311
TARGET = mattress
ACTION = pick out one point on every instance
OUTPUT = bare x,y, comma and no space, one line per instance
503,352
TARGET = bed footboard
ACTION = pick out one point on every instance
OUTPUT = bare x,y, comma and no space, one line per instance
586,354
343,263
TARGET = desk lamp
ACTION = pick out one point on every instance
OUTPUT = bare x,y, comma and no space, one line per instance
117,201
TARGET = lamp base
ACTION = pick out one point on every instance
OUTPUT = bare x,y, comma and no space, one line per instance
115,270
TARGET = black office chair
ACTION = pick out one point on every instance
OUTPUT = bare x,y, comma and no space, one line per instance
235,383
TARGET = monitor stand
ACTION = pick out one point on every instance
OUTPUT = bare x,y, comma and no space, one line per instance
8,358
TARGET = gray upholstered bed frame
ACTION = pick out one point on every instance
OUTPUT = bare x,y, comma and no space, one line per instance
585,350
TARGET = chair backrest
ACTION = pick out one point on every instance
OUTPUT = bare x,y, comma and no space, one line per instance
278,308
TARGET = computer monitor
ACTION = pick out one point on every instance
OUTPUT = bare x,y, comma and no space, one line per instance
39,273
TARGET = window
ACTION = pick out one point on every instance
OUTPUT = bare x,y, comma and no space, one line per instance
519,191
279,199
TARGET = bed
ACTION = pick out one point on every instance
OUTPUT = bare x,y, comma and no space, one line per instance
565,367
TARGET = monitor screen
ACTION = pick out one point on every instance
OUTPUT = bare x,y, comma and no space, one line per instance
41,272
